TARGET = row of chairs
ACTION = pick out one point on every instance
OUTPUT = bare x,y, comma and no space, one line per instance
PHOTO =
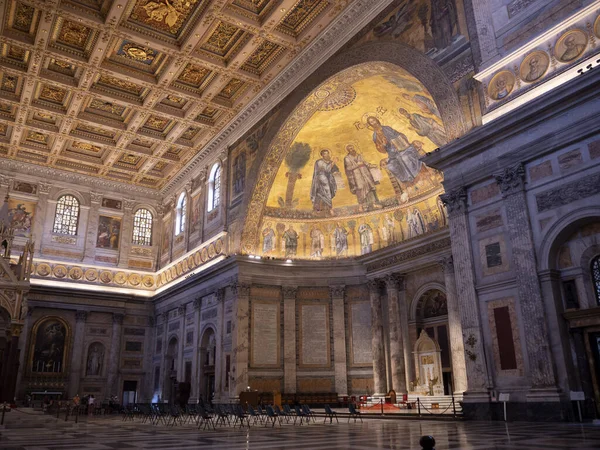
227,415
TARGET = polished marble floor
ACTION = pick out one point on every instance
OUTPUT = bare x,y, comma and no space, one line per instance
98,433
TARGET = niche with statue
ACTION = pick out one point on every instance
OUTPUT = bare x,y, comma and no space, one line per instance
428,366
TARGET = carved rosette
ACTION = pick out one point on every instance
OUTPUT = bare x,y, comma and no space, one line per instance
337,291
118,318
447,264
511,180
455,201
289,292
80,316
394,281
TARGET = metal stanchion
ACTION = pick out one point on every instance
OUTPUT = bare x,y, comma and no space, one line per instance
419,406
381,401
453,406
427,443
3,413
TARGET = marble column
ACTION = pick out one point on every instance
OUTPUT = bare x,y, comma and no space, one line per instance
398,370
379,380
166,365
240,330
180,365
289,339
195,394
147,391
457,348
126,232
339,340
409,371
92,228
39,218
23,346
77,353
533,314
114,355
462,254
219,357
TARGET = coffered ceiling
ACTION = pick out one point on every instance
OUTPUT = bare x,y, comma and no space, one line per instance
130,91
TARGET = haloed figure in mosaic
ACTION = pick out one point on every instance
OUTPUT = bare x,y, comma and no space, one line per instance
324,186
361,181
426,126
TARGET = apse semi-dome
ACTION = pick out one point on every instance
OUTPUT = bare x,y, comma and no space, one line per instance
350,179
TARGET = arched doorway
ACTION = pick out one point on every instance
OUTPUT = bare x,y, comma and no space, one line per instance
171,369
572,283
206,360
431,316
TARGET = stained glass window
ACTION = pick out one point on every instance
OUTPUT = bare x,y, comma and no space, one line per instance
214,187
181,213
596,277
142,227
67,215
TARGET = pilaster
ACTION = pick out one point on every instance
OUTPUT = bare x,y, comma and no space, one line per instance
92,228
114,355
289,339
462,254
39,218
379,379
541,372
393,283
127,232
195,393
148,388
240,338
457,348
219,358
77,352
339,340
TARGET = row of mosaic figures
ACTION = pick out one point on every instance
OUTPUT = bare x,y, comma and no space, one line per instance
569,47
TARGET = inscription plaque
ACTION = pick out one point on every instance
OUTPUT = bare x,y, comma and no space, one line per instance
265,334
315,335
362,354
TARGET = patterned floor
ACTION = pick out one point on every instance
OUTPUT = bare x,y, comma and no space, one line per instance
44,433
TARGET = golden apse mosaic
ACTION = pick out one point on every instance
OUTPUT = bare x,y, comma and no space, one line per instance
85,77
346,172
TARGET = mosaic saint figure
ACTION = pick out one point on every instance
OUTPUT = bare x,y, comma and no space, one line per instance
403,158
416,225
443,21
425,104
366,238
387,229
340,236
317,243
290,241
324,186
268,239
426,126
360,179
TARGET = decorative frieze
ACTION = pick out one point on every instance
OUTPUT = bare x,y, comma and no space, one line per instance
568,193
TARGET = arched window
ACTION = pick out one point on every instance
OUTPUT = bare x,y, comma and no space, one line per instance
142,227
596,277
67,215
181,213
214,187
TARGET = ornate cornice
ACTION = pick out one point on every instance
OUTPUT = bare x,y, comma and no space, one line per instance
410,254
355,16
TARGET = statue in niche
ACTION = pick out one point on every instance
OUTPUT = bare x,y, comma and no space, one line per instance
95,359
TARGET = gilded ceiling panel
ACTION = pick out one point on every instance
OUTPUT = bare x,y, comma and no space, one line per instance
127,77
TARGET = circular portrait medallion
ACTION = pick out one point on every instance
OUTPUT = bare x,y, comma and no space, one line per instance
570,46
501,85
534,66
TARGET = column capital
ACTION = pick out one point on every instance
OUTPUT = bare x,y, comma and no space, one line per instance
197,303
240,289
118,318
337,291
44,188
151,321
6,180
511,179
394,281
289,292
95,197
455,201
80,316
220,295
374,285
129,204
447,264
181,310
165,316
16,329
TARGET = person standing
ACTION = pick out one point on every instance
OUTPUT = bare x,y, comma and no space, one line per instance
91,405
